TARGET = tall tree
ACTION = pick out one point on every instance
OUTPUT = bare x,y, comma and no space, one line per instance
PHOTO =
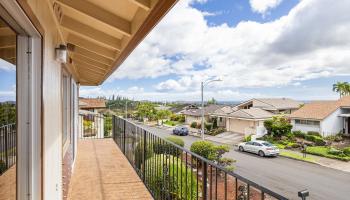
343,88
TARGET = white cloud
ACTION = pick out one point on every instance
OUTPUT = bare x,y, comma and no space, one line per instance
307,43
263,6
6,66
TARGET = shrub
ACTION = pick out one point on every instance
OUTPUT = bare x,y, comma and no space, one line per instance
293,145
336,152
278,126
315,133
194,125
174,117
176,140
217,131
299,134
205,149
347,151
139,150
319,141
316,139
208,126
248,138
181,182
215,123
182,118
2,167
164,147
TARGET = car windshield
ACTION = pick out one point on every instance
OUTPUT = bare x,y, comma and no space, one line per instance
267,144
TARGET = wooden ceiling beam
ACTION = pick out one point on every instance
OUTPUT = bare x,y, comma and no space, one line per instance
91,46
92,55
5,31
93,34
87,67
92,10
90,61
8,41
80,62
7,53
145,4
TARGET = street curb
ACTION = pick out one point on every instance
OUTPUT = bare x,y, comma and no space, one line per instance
299,160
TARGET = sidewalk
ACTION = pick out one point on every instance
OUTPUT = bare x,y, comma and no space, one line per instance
326,162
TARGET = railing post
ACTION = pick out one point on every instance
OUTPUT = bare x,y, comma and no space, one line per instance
144,155
303,194
124,135
205,175
6,147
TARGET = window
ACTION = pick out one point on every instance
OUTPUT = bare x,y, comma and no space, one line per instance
66,111
307,122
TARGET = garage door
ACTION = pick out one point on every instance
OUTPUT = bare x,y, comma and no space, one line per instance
239,126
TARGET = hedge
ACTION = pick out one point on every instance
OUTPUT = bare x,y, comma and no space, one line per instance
182,183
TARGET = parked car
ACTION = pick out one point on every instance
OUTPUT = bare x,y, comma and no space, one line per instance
180,130
260,147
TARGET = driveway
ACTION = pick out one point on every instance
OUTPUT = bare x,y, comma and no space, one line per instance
283,175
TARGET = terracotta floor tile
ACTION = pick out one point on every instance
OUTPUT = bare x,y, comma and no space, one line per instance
103,173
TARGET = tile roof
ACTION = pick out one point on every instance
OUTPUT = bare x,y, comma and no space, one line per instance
319,110
207,110
251,113
92,103
276,103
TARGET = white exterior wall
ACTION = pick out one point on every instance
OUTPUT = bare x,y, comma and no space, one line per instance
305,128
332,124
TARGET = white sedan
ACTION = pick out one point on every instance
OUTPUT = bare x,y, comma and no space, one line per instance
262,148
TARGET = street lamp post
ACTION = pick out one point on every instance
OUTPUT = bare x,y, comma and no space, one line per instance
204,83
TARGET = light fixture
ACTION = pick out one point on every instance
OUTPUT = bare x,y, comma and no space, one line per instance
61,53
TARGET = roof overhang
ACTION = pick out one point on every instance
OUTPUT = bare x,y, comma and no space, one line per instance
100,35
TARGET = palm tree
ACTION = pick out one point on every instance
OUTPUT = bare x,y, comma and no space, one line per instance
343,88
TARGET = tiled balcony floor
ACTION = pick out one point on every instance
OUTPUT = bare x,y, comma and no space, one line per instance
102,172
8,184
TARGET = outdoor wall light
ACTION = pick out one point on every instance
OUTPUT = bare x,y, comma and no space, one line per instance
61,53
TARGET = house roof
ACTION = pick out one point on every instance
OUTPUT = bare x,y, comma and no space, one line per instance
273,103
100,35
91,103
224,110
252,113
207,110
319,110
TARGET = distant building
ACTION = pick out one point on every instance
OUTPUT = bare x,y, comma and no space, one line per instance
195,114
92,104
325,117
91,117
248,117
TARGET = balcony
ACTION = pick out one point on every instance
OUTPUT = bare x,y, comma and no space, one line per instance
102,172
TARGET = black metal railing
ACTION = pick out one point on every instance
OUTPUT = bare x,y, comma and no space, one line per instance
8,142
95,126
172,172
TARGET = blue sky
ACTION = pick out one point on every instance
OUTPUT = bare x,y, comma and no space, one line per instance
259,48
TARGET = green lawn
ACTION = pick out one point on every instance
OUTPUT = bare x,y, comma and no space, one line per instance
325,152
296,156
171,123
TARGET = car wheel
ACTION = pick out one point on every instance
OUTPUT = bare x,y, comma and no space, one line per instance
261,153
240,148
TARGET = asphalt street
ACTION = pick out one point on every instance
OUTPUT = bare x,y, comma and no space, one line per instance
282,175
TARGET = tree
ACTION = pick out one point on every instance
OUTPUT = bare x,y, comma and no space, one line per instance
343,88
212,101
146,109
162,114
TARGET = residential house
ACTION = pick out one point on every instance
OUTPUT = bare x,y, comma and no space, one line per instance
273,105
91,119
248,117
325,117
56,46
221,113
195,114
